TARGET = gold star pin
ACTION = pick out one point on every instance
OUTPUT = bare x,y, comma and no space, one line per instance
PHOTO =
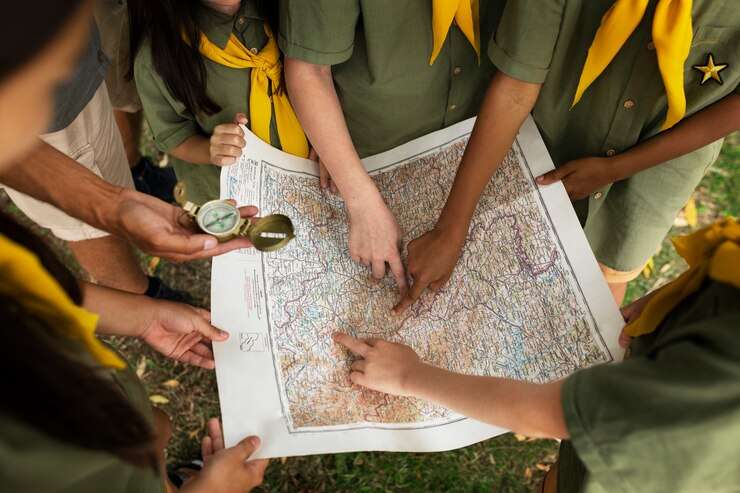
711,70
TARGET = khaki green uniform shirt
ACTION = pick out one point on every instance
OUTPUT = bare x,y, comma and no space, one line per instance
172,122
379,51
546,41
668,418
31,461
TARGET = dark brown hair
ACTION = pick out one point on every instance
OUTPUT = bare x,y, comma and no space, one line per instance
180,64
66,399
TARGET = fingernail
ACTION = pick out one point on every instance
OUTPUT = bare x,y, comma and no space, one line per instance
210,243
255,441
223,334
540,179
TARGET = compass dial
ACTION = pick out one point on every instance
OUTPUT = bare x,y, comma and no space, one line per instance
218,218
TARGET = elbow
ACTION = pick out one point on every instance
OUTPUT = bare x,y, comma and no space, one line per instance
300,74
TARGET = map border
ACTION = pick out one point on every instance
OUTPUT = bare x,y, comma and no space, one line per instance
282,392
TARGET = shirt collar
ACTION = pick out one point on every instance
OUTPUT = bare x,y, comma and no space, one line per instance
218,27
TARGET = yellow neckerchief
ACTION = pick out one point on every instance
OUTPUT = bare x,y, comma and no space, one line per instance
465,13
713,251
672,34
266,69
24,279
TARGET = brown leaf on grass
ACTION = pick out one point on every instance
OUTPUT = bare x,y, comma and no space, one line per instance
283,460
542,467
141,367
665,268
171,384
159,399
193,434
528,474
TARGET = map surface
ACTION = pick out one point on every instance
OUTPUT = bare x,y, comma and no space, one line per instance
514,307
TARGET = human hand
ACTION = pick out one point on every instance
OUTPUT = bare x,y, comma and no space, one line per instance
632,312
432,259
181,332
581,177
324,177
374,239
383,366
226,469
227,141
157,228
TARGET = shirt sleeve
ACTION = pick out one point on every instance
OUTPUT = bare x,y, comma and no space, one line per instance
169,120
663,421
321,32
523,45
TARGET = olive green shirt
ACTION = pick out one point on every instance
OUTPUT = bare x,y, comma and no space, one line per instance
547,41
379,51
171,122
31,461
668,418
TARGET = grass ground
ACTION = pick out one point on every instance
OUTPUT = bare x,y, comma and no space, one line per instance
505,464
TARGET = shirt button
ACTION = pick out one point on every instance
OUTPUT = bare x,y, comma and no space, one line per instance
611,152
651,46
598,195
254,51
628,104
240,20
453,107
457,71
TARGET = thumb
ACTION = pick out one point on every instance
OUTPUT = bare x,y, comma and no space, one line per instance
247,446
241,118
203,327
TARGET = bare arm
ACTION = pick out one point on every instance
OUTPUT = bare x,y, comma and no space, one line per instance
583,176
195,149
432,256
53,177
178,331
527,408
374,235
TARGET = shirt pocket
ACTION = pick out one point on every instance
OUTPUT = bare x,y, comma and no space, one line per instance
723,43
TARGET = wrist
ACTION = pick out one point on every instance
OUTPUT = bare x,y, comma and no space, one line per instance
413,384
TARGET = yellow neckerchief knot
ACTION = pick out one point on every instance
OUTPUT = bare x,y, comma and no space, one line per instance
465,13
672,34
24,279
713,251
266,97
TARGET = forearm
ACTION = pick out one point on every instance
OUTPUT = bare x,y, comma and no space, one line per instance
506,105
121,313
316,104
527,408
704,127
195,149
53,177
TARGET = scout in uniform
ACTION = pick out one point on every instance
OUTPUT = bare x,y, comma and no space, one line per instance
367,75
605,81
666,419
191,113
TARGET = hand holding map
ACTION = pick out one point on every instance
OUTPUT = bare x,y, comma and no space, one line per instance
515,306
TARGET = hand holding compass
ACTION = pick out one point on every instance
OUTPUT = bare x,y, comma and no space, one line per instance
220,218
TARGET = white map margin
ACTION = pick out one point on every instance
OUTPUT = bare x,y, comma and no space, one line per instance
248,392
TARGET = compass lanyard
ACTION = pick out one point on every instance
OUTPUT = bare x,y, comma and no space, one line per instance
25,281
672,34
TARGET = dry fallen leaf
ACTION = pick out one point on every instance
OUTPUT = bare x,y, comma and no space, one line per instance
141,367
283,460
171,383
528,474
665,268
690,212
153,263
649,267
193,434
159,399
